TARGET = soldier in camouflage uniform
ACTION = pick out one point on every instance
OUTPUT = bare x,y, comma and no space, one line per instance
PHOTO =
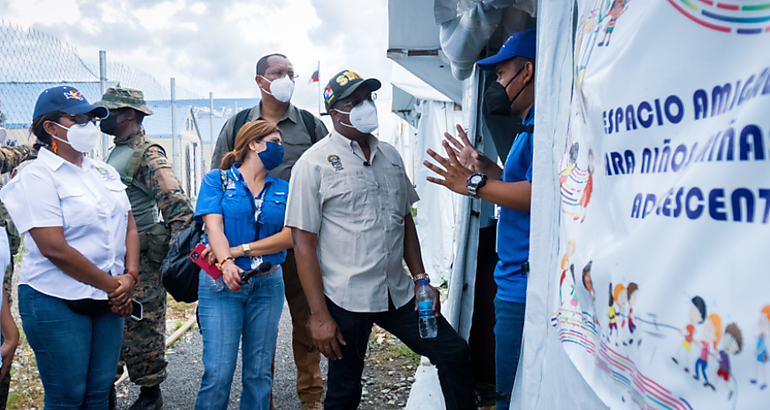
153,189
10,158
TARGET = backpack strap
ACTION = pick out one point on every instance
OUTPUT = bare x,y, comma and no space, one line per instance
309,121
136,159
240,120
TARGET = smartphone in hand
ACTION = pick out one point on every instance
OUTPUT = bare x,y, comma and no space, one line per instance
137,310
196,257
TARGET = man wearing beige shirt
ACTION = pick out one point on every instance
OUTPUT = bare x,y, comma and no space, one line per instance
349,209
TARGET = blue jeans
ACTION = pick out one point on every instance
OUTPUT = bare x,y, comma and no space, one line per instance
76,355
509,326
227,318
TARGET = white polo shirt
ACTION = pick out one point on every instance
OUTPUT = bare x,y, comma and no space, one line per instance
91,205
358,212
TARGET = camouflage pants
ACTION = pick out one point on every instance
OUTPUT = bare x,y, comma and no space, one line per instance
144,341
5,382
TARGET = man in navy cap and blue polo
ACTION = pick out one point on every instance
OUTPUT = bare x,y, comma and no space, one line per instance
469,172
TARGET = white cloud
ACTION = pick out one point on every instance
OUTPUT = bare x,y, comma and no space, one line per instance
213,46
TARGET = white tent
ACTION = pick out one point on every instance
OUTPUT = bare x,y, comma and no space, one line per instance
438,42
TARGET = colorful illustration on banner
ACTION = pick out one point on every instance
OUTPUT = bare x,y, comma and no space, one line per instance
740,17
588,189
588,284
732,344
618,8
763,332
603,16
632,293
573,181
696,316
712,332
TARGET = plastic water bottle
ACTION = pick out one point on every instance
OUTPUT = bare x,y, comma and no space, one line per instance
428,324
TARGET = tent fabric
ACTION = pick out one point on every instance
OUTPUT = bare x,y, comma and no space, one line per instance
547,379
467,25
437,207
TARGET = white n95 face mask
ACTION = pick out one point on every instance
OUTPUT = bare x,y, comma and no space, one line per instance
282,88
363,117
82,138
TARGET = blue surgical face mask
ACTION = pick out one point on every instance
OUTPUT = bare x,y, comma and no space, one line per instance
272,156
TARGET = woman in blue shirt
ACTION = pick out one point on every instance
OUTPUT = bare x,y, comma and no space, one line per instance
243,209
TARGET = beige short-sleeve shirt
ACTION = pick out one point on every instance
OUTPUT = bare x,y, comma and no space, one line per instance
357,208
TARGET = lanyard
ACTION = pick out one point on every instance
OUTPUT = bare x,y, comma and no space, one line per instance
258,200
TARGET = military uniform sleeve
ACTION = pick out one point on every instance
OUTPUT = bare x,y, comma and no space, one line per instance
156,173
303,207
12,157
225,143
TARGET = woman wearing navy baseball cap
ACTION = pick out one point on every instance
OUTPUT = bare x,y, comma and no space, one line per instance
82,253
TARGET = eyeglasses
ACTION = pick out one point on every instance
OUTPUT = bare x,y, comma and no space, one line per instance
354,103
272,75
81,119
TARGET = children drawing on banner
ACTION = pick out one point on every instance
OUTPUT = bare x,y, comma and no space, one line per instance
632,293
613,318
621,299
572,181
571,246
697,315
712,332
617,10
587,190
573,156
732,344
589,285
760,375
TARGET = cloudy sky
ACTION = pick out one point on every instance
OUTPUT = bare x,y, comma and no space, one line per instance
210,45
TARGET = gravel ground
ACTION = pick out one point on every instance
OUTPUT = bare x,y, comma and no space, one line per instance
185,370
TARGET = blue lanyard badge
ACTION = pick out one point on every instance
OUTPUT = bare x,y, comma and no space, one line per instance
257,260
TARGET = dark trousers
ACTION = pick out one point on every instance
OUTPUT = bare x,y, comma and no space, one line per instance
447,351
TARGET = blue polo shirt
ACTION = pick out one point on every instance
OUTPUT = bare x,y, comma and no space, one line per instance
513,226
235,202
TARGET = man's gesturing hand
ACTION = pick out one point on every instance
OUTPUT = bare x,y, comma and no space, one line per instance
454,173
327,336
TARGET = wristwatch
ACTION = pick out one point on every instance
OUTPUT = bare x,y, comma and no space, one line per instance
475,181
420,277
246,249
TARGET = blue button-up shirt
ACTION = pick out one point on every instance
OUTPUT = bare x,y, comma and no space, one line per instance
232,199
513,226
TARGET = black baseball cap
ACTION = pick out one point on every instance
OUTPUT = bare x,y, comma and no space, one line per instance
344,83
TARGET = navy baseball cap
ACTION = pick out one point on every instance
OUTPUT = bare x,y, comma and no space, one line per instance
521,43
67,100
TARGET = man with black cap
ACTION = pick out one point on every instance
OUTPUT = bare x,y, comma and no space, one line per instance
153,190
349,208
469,172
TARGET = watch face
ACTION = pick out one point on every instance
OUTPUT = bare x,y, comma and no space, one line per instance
475,179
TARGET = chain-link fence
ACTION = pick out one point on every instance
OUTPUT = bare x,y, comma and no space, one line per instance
185,123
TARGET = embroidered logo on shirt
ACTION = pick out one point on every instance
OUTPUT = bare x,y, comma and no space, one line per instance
336,162
230,184
105,173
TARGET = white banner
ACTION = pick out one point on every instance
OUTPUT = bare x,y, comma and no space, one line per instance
663,282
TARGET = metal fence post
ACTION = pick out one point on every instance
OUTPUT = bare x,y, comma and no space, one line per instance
174,143
212,139
103,88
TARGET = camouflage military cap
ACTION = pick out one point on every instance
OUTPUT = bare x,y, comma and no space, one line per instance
117,97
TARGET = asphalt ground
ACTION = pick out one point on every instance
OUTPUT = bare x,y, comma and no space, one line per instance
185,370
